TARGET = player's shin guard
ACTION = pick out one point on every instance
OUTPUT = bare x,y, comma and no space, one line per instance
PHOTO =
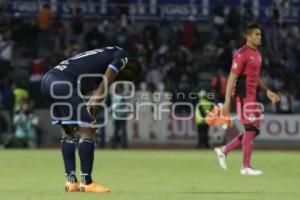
86,150
247,147
68,146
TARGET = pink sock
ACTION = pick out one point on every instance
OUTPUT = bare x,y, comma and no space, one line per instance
247,147
233,144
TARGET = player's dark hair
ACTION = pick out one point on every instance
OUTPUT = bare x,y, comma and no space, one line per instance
132,70
250,27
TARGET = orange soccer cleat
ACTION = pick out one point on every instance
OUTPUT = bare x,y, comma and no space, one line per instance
72,187
217,118
93,187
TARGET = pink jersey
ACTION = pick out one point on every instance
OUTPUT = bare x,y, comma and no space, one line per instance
247,64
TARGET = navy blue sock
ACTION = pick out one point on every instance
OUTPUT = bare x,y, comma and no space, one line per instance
68,146
86,150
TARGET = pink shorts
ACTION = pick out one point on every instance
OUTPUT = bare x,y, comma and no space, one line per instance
249,111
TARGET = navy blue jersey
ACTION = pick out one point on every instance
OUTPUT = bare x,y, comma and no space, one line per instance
91,62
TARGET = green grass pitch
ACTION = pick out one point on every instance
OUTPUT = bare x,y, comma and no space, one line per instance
152,174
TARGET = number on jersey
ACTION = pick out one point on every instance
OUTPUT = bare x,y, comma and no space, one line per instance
61,67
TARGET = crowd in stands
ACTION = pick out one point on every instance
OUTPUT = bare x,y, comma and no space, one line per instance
185,55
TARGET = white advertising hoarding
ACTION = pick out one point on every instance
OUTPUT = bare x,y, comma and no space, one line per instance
171,131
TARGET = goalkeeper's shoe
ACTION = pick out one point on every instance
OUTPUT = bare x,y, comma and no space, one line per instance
93,187
248,171
221,158
71,187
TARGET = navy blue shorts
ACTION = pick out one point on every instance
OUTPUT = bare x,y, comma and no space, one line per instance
66,105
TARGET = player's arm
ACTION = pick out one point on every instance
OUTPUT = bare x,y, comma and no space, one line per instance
229,87
110,76
237,68
262,86
271,95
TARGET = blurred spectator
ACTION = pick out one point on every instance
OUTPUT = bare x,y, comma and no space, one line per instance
20,94
95,37
124,22
271,35
3,21
26,124
59,34
150,39
37,69
203,107
182,94
17,28
123,7
6,47
121,37
44,22
101,118
3,129
225,56
276,13
143,96
119,119
248,15
154,77
34,87
44,18
31,34
210,51
286,103
7,98
77,26
233,21
72,49
189,33
283,32
278,82
218,86
218,21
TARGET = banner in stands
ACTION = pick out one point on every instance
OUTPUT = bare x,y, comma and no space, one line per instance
280,127
170,131
146,9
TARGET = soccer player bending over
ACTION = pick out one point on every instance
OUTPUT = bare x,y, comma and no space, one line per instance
244,77
62,87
